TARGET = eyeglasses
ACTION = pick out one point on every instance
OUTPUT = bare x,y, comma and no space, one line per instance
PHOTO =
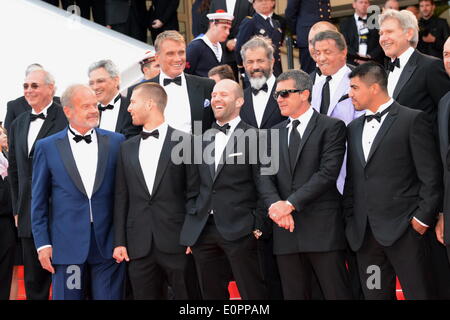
33,86
285,93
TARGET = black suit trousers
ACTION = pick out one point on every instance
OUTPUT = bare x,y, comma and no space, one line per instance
408,258
37,279
7,254
242,255
150,275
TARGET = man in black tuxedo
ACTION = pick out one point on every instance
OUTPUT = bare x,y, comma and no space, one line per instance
414,79
129,17
392,190
224,218
239,9
45,119
260,109
104,79
302,196
163,16
150,202
188,107
443,226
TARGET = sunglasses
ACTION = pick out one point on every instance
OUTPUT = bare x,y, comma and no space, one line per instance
33,86
284,93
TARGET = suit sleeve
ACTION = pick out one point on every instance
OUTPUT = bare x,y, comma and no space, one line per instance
13,174
192,176
9,118
121,203
428,167
292,13
438,81
170,9
333,151
41,192
347,202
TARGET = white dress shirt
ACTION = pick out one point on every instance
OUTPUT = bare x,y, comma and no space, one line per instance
395,74
221,140
370,132
304,120
35,127
362,47
108,119
260,100
216,48
149,153
178,109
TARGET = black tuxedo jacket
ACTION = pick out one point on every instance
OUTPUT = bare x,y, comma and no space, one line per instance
401,178
422,84
16,107
118,11
443,122
199,90
143,217
231,191
271,115
166,11
310,187
20,163
124,124
349,30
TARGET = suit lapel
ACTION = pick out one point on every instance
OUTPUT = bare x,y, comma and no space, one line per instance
309,128
102,161
406,74
135,163
46,126
164,159
283,131
65,151
24,133
341,90
122,114
270,108
387,123
249,110
359,126
195,103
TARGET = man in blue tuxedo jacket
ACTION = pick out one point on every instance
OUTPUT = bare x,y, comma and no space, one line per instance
72,202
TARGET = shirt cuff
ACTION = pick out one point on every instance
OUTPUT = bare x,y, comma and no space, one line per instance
290,204
421,223
43,247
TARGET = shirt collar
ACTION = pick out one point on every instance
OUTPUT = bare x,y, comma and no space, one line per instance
381,108
233,123
163,76
113,99
337,77
44,111
265,17
304,118
91,132
162,129
209,42
356,17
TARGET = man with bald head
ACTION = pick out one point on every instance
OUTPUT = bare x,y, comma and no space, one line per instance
224,218
73,202
44,119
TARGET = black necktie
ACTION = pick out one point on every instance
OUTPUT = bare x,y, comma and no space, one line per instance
154,133
37,116
294,142
176,80
377,116
264,88
392,64
325,101
77,138
223,128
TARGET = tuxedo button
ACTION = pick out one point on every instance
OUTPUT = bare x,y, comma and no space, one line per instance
214,191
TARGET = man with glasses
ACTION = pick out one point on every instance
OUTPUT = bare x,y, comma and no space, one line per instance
302,197
44,119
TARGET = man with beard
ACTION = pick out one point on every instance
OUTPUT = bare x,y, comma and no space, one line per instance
260,108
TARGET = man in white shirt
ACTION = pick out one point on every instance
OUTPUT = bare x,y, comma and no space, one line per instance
44,119
104,79
73,199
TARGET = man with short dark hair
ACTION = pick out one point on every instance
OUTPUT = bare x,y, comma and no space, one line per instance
149,68
221,72
433,30
391,147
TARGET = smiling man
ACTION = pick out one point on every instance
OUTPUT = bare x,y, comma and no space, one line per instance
104,79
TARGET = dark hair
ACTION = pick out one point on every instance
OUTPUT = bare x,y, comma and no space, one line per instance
370,73
331,35
301,79
224,71
431,1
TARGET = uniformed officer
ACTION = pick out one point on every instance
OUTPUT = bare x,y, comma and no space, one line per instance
263,24
205,52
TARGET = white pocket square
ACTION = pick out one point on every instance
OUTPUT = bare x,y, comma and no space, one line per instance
235,154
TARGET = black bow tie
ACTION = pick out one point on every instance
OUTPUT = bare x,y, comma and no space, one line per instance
36,116
176,80
108,107
77,138
223,128
154,133
377,116
264,88
392,64
362,19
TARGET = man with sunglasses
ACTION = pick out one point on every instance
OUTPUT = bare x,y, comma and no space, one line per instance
45,118
302,197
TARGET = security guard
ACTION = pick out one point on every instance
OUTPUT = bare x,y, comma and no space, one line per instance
261,23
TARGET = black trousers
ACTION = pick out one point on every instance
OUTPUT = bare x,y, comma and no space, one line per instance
242,254
132,27
37,279
408,258
269,268
8,240
98,9
150,275
297,269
